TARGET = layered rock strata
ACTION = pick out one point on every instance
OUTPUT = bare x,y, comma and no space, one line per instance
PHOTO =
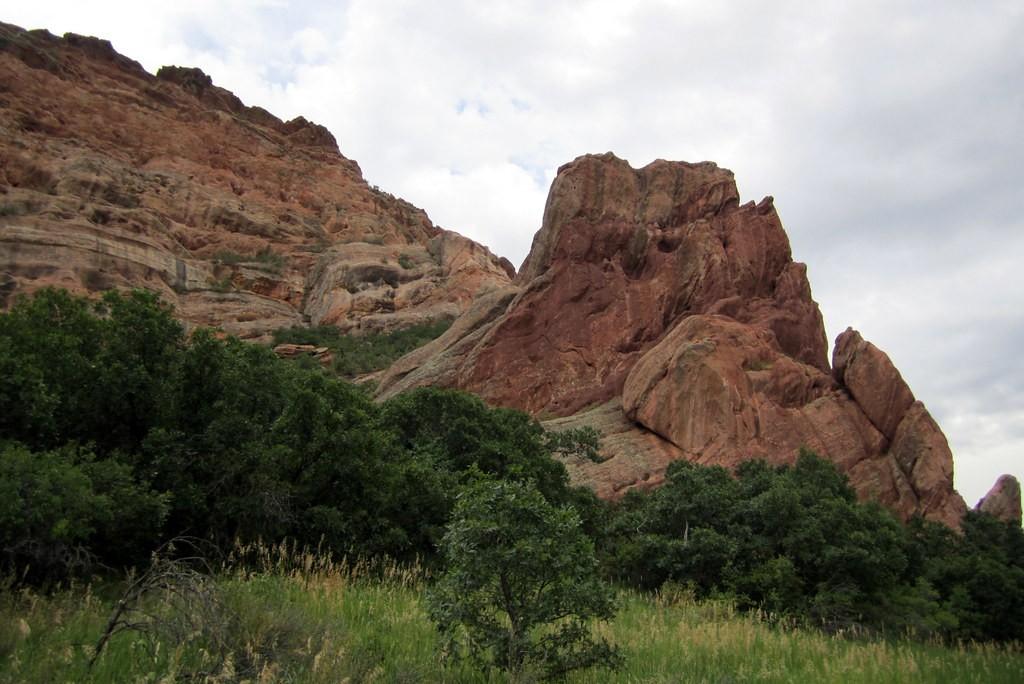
114,177
658,309
653,306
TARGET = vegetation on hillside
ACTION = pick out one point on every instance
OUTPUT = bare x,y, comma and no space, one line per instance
359,354
118,432
266,259
794,542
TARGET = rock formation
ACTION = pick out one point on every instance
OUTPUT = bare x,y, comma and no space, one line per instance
1003,500
113,177
658,309
653,305
322,355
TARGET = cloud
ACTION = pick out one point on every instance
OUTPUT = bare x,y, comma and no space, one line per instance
889,133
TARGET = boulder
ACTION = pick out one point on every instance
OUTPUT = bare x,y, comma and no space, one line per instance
1003,500
869,375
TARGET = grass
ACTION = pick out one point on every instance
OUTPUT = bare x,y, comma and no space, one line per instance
266,258
297,617
358,354
225,284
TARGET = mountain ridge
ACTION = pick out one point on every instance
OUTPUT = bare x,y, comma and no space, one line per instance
641,285
115,177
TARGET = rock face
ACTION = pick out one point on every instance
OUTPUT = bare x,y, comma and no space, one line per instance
113,177
622,255
653,305
658,309
1003,500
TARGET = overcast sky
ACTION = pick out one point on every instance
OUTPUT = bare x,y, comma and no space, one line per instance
889,133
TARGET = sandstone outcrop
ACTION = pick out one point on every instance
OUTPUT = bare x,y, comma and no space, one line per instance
114,177
322,355
1003,500
658,309
653,306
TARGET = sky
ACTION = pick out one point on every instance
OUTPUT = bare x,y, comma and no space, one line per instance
889,133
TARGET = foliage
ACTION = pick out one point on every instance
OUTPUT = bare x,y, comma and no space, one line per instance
406,261
520,584
76,370
266,259
118,432
576,443
458,431
59,510
358,354
219,439
795,542
977,579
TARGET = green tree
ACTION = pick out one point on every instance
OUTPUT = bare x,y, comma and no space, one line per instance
62,510
462,432
521,584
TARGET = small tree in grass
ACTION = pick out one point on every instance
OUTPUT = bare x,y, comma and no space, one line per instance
521,584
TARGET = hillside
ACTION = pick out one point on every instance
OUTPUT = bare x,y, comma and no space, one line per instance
112,177
654,306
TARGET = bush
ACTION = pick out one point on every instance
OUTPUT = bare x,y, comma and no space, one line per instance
358,354
266,259
791,540
520,585
245,446
61,510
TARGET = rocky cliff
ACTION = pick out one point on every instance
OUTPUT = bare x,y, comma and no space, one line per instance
653,306
111,176
658,309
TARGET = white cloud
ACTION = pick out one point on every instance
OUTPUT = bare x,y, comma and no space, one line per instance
889,133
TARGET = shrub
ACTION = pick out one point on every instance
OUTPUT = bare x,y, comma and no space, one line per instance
358,354
266,258
521,584
61,510
791,540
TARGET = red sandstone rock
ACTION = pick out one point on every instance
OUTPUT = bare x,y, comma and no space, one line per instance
654,293
652,306
873,381
621,255
922,452
1003,500
291,351
722,391
113,177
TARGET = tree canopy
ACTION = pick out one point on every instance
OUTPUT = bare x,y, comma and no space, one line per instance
520,584
118,431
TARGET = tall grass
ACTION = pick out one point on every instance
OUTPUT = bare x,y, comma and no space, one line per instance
293,616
